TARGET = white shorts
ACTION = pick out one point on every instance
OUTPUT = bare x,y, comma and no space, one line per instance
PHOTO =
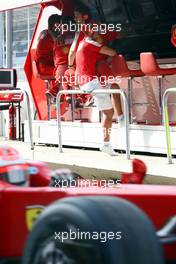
103,101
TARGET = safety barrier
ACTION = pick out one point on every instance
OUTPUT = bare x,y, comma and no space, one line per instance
166,122
28,110
95,92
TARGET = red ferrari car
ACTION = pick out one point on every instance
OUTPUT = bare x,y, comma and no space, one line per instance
119,223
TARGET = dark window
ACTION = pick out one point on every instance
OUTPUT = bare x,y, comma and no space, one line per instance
114,11
166,8
109,11
139,9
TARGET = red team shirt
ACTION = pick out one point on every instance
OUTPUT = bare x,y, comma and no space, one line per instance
44,54
44,49
61,54
86,58
61,51
93,56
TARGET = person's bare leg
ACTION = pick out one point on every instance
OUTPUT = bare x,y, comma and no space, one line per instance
107,124
116,101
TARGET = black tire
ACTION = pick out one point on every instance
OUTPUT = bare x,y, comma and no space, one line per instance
138,245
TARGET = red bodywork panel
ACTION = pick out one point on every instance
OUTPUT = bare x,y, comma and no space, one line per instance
158,202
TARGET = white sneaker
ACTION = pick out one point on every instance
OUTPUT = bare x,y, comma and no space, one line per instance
108,150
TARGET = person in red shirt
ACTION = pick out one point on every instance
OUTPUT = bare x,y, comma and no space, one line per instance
48,59
62,42
173,35
82,16
86,59
44,54
44,49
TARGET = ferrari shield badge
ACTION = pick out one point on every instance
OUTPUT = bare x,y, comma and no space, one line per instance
32,213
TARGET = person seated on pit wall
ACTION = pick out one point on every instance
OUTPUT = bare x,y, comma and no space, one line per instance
63,39
82,17
173,35
44,49
86,59
45,56
62,42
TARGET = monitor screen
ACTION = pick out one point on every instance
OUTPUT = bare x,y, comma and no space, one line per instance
7,78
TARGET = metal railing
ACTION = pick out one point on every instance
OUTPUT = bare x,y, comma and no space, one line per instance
166,122
28,110
95,92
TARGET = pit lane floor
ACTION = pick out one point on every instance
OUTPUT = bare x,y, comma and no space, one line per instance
92,163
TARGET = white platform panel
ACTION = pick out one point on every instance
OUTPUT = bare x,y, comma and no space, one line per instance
142,137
